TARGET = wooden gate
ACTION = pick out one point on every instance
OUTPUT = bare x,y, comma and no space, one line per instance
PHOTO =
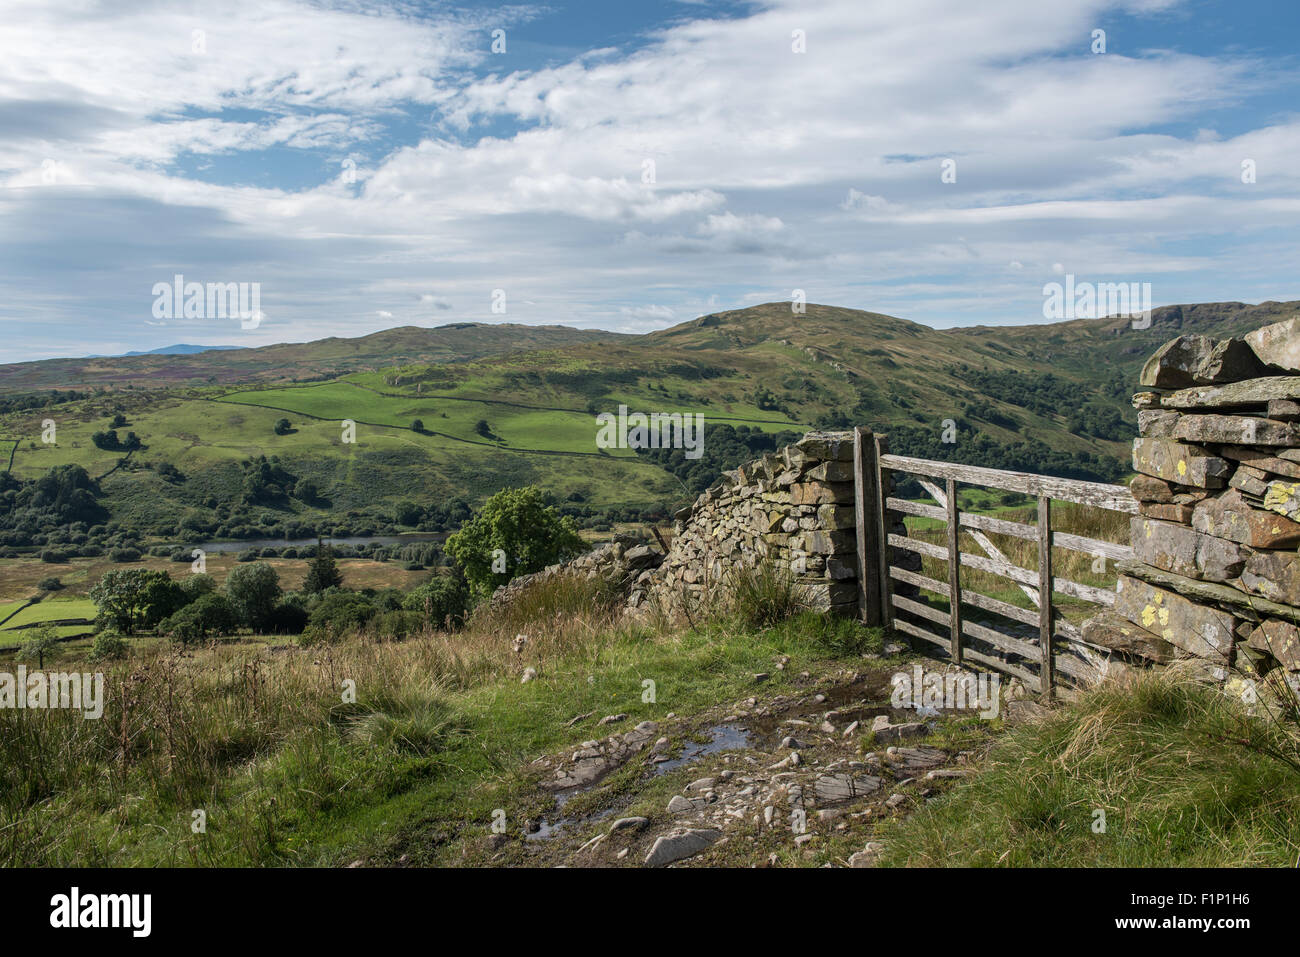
1040,660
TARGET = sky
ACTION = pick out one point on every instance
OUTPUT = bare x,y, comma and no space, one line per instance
630,166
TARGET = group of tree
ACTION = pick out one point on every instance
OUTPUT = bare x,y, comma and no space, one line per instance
64,495
109,441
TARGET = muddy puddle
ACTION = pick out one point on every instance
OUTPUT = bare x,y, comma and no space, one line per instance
722,737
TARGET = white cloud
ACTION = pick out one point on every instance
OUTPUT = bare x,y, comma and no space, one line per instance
773,170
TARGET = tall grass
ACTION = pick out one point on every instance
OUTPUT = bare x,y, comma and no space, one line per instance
183,728
1181,772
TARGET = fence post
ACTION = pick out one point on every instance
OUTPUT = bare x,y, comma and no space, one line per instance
884,482
954,573
1047,671
865,500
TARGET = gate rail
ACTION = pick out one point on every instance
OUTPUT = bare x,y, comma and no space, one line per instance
876,510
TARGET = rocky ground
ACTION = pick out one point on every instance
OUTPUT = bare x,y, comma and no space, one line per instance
800,778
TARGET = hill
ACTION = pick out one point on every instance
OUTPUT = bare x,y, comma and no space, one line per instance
445,417
291,361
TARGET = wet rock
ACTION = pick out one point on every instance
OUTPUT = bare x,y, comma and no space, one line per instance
679,844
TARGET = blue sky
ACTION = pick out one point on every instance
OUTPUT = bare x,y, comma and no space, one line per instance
378,164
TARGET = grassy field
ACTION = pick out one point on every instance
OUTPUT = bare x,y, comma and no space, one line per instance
1151,773
442,734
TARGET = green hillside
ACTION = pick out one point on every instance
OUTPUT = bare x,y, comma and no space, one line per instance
505,406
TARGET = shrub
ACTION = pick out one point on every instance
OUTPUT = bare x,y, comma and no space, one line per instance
197,585
211,615
288,618
54,556
441,601
135,597
49,584
40,643
124,555
337,613
108,645
396,625
322,571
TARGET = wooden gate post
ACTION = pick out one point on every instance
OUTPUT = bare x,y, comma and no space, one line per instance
1047,670
866,500
954,573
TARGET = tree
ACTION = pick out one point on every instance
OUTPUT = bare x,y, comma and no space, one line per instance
322,571
119,421
408,513
135,597
516,528
441,601
43,643
211,615
283,427
305,490
483,429
417,425
253,590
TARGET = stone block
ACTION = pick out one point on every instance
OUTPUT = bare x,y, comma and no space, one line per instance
1281,639
1230,516
827,446
1197,629
1109,630
1277,345
1185,551
1177,462
1199,360
821,493
1233,430
1273,575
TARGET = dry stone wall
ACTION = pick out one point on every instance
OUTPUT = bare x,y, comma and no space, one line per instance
1215,575
792,509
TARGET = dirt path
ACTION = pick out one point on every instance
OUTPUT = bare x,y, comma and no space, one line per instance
796,779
